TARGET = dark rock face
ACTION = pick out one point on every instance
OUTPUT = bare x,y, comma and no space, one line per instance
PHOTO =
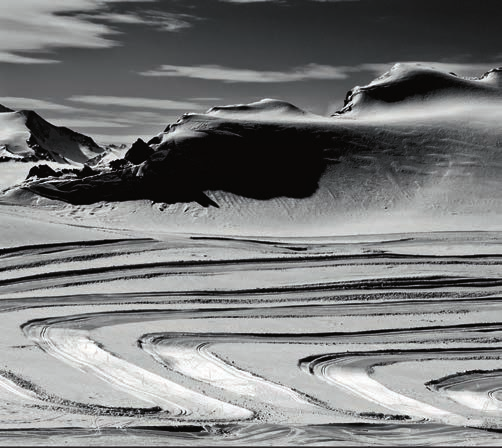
119,164
86,171
5,109
254,160
112,186
156,140
138,152
46,136
40,153
42,172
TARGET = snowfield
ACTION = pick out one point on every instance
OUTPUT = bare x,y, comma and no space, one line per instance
265,276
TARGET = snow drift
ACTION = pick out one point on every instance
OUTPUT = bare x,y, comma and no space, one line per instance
416,145
26,136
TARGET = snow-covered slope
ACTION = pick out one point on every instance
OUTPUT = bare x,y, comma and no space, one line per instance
414,163
267,108
14,136
25,135
415,86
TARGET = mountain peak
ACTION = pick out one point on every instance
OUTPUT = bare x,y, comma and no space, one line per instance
418,83
4,109
25,134
267,106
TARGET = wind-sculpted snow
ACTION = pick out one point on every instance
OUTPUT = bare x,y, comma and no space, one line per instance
415,83
476,389
199,340
417,147
339,281
75,348
353,372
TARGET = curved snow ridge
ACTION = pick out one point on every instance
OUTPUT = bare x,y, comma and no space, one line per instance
76,348
191,356
265,108
195,125
67,339
30,394
261,434
415,83
264,333
353,372
109,274
493,77
477,389
83,264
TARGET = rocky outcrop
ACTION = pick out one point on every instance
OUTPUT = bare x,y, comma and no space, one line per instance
138,152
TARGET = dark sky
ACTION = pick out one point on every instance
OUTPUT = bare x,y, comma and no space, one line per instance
121,69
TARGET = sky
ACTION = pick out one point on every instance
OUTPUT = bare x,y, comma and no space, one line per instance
118,70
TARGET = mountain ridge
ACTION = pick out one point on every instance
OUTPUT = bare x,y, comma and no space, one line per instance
406,82
25,135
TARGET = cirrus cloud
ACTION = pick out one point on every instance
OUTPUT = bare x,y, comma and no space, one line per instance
38,26
135,102
309,72
229,74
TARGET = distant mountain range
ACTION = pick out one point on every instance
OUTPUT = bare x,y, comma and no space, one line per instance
25,135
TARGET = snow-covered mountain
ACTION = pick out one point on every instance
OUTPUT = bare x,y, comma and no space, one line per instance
25,135
418,85
429,159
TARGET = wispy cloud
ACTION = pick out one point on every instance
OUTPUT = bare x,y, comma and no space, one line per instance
135,102
159,20
19,103
85,123
205,99
142,116
33,25
37,26
228,74
12,58
308,72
